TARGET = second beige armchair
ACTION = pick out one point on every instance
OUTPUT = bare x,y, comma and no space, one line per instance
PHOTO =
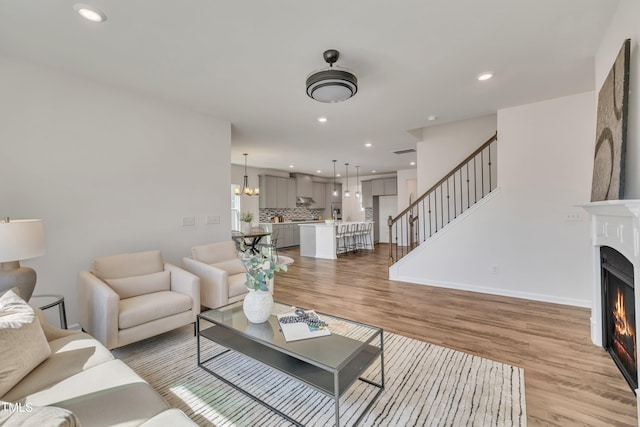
222,275
129,297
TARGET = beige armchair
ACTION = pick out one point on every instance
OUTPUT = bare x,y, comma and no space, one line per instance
222,275
130,297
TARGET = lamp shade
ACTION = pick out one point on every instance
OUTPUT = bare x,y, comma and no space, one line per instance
21,239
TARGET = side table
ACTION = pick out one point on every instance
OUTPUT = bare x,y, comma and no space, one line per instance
44,302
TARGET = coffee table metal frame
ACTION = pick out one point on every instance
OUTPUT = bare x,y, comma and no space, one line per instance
332,380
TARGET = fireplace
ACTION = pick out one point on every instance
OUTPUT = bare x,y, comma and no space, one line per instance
618,311
615,238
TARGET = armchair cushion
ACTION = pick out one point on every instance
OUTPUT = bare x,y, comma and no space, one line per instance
146,308
24,345
134,286
127,265
237,285
232,266
215,252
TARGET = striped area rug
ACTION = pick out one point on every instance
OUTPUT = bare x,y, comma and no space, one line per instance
425,385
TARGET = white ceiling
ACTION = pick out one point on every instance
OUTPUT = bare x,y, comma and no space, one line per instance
247,61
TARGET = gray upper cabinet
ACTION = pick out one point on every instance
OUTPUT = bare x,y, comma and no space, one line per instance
377,187
319,195
390,186
304,185
384,187
367,194
277,192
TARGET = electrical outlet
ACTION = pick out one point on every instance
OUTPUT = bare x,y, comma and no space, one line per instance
188,221
213,219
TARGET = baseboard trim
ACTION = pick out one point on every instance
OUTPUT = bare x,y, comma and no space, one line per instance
497,291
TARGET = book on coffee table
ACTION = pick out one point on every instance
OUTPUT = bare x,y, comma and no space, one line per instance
295,327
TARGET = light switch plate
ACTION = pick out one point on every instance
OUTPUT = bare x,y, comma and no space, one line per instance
188,221
213,219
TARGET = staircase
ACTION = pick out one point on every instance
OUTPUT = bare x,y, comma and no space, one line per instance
466,184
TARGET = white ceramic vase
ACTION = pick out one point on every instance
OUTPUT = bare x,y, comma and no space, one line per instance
257,306
246,228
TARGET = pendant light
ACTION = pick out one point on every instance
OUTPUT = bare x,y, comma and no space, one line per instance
347,193
245,187
335,189
358,182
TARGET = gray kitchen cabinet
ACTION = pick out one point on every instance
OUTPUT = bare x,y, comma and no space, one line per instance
390,186
377,187
277,192
367,194
384,187
291,193
319,195
304,185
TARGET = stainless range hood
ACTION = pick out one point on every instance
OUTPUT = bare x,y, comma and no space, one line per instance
306,201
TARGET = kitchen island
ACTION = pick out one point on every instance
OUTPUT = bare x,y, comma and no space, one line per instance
319,240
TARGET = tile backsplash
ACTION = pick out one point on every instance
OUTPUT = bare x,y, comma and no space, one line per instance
290,214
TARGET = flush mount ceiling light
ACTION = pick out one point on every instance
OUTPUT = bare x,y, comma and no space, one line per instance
322,119
331,84
485,76
89,13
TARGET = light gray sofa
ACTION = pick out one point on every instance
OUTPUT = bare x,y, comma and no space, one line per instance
80,383
222,275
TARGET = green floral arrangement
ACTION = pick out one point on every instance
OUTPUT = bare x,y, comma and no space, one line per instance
246,217
260,268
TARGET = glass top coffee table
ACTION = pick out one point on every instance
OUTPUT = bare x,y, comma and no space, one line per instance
329,364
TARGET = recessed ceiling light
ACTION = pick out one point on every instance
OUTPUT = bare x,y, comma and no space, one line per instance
90,13
485,76
373,171
412,163
337,174
318,171
322,119
432,117
368,144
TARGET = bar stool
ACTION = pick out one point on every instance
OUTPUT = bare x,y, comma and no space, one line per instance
366,235
341,238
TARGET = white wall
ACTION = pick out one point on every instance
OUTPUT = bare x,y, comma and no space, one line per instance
107,170
625,25
388,206
407,186
519,243
444,146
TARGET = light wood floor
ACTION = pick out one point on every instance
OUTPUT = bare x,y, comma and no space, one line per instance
568,380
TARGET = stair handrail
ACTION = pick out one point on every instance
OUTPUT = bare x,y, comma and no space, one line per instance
391,221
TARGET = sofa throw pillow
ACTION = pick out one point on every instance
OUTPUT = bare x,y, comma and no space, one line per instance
23,345
128,287
26,414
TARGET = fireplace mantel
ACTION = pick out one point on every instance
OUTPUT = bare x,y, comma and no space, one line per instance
614,223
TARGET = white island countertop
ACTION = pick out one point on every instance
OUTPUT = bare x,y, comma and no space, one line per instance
318,240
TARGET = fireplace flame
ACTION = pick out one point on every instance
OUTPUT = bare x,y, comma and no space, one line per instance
620,318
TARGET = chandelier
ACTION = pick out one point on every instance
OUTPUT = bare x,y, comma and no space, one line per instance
245,187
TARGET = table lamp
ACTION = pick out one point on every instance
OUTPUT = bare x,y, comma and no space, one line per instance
19,240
